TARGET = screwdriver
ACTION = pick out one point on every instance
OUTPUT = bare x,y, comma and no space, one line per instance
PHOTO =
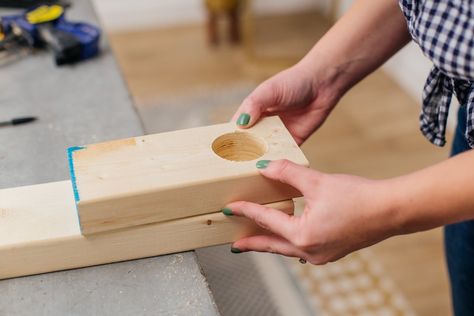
18,121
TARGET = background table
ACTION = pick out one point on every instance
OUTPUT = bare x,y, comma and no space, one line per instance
80,104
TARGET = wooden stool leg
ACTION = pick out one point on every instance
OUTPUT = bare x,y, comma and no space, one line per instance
212,33
234,25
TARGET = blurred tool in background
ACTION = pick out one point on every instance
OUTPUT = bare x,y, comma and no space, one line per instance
29,3
18,121
45,26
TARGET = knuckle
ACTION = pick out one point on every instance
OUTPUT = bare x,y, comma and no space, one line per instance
282,167
243,205
302,240
303,237
314,178
268,93
264,93
250,101
268,87
260,219
246,207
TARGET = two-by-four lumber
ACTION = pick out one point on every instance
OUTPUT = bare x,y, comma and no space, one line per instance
184,173
39,232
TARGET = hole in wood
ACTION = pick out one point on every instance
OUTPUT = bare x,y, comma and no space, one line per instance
239,146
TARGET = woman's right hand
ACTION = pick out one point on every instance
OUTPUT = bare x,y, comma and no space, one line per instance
297,95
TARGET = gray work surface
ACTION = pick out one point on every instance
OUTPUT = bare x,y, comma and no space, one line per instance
81,104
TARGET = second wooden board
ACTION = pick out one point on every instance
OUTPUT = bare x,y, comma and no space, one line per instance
39,232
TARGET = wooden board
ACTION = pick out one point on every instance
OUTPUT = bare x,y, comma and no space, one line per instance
39,232
179,174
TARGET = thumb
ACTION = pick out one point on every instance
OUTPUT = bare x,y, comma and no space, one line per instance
285,171
253,106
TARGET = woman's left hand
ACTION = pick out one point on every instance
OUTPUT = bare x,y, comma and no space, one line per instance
342,214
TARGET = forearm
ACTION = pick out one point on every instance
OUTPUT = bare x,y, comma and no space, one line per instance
362,40
438,195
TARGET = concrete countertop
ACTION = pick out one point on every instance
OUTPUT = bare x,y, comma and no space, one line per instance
80,104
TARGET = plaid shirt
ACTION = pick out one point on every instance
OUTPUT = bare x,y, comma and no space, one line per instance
444,29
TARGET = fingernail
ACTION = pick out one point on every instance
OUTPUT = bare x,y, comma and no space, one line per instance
262,164
227,211
235,250
243,119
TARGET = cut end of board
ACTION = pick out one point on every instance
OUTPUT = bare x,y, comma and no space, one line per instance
72,173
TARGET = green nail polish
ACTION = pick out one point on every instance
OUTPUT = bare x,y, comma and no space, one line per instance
262,164
227,211
235,250
243,119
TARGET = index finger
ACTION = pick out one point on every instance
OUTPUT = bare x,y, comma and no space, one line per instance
268,218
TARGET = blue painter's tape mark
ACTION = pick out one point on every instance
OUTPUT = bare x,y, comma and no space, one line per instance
70,152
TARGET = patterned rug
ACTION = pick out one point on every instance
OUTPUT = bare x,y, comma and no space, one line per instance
354,285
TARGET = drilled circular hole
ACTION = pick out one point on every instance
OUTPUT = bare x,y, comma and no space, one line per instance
239,146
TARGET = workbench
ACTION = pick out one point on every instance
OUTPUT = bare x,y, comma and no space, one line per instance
80,104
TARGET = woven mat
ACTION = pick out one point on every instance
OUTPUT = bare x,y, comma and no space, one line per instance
354,285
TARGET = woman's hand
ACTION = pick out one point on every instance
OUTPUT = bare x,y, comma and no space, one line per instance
304,95
301,100
342,214
346,213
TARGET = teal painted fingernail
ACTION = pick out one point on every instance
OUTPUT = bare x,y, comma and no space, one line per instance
227,211
235,250
262,164
243,119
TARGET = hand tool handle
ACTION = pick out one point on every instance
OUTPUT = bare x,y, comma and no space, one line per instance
66,47
22,120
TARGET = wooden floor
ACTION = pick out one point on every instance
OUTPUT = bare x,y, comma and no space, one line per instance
373,132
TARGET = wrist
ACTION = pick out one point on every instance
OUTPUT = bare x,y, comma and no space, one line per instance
391,216
330,80
404,207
